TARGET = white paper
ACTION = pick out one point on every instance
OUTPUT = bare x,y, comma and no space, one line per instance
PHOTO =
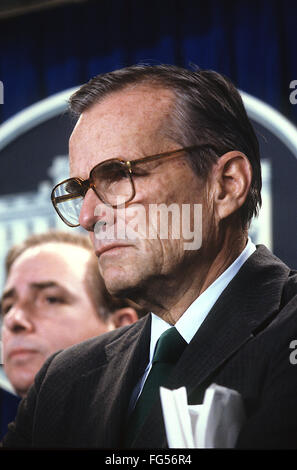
213,424
177,419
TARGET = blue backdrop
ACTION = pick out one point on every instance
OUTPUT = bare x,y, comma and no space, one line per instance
252,42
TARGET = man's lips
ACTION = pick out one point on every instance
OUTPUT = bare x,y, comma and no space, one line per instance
18,352
102,249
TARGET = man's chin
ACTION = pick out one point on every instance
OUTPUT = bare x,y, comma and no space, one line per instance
116,275
119,283
118,288
123,275
22,385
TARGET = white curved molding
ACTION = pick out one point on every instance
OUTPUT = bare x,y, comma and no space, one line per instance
272,120
33,116
36,114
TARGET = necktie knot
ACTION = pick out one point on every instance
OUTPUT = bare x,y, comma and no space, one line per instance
169,347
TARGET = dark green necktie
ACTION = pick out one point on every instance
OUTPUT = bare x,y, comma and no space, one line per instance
169,348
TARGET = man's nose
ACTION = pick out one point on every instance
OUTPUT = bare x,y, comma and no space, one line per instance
92,210
18,320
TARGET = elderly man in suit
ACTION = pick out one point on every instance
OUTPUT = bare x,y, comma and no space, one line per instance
148,137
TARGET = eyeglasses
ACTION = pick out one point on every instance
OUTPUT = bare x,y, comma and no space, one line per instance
111,180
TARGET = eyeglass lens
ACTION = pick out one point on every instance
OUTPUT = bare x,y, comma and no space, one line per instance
111,182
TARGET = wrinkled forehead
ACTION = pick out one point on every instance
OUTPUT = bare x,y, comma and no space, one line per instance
124,121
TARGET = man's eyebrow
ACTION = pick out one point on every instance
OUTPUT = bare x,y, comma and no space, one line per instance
44,285
35,285
8,293
39,286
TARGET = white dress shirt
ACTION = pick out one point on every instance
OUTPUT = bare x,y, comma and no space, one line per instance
193,317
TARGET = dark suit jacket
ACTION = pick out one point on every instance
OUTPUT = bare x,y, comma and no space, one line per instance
81,396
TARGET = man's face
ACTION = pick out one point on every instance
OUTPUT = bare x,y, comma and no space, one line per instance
45,308
129,125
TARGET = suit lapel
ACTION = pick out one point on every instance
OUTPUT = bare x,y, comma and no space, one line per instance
112,384
247,305
127,361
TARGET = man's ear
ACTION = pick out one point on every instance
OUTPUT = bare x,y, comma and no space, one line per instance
124,316
232,178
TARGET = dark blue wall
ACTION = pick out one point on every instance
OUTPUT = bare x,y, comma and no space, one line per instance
253,42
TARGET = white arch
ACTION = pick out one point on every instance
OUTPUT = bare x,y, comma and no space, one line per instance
56,104
272,120
33,115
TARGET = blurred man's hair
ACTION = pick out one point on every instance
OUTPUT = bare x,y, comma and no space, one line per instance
104,303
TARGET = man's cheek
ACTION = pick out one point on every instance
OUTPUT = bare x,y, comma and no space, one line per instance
136,222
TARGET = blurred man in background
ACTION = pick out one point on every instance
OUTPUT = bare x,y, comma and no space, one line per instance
53,297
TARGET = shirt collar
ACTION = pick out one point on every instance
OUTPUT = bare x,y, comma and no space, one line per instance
191,320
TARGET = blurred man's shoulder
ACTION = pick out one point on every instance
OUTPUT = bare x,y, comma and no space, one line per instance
90,354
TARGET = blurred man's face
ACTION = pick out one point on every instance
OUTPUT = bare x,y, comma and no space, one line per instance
45,308
129,125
